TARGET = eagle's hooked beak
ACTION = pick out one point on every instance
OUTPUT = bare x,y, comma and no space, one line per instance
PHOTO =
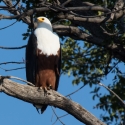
40,19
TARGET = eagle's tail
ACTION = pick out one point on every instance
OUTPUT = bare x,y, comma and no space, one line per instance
40,107
43,108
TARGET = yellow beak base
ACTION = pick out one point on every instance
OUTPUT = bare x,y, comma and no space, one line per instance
40,19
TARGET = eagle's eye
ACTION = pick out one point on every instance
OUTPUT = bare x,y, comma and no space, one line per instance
42,18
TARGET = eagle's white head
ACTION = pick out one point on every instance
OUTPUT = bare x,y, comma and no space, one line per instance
43,22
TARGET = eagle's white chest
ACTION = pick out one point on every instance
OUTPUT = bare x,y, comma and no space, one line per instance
47,41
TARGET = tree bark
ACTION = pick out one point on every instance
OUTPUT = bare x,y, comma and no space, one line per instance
34,95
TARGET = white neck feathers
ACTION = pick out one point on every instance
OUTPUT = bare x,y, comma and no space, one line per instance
47,41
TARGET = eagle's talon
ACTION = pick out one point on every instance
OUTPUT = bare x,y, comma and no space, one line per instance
39,89
45,89
49,87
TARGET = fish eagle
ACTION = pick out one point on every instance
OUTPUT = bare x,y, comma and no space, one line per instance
43,58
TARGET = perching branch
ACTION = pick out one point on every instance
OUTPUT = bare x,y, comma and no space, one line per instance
32,95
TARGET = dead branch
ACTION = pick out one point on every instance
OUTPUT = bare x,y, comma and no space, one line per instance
2,47
6,70
75,91
12,6
25,16
57,118
4,63
32,95
8,26
76,32
113,93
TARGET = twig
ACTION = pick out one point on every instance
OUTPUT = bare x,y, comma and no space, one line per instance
29,83
112,68
16,3
8,25
4,63
63,115
66,2
59,21
10,7
88,4
57,117
99,105
69,97
75,91
6,70
110,34
112,93
1,47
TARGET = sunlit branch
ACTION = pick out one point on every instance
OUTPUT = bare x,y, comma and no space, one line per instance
113,93
13,77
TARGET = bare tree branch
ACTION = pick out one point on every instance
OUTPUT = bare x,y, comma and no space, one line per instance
13,77
30,94
30,12
57,118
1,47
25,16
71,30
4,63
8,25
92,19
75,91
12,6
78,34
113,93
6,70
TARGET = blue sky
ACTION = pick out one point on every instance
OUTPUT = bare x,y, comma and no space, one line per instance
16,112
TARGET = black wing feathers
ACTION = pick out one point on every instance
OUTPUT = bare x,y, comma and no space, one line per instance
31,52
59,69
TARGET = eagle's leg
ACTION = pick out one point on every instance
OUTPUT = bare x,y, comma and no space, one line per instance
42,88
45,89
